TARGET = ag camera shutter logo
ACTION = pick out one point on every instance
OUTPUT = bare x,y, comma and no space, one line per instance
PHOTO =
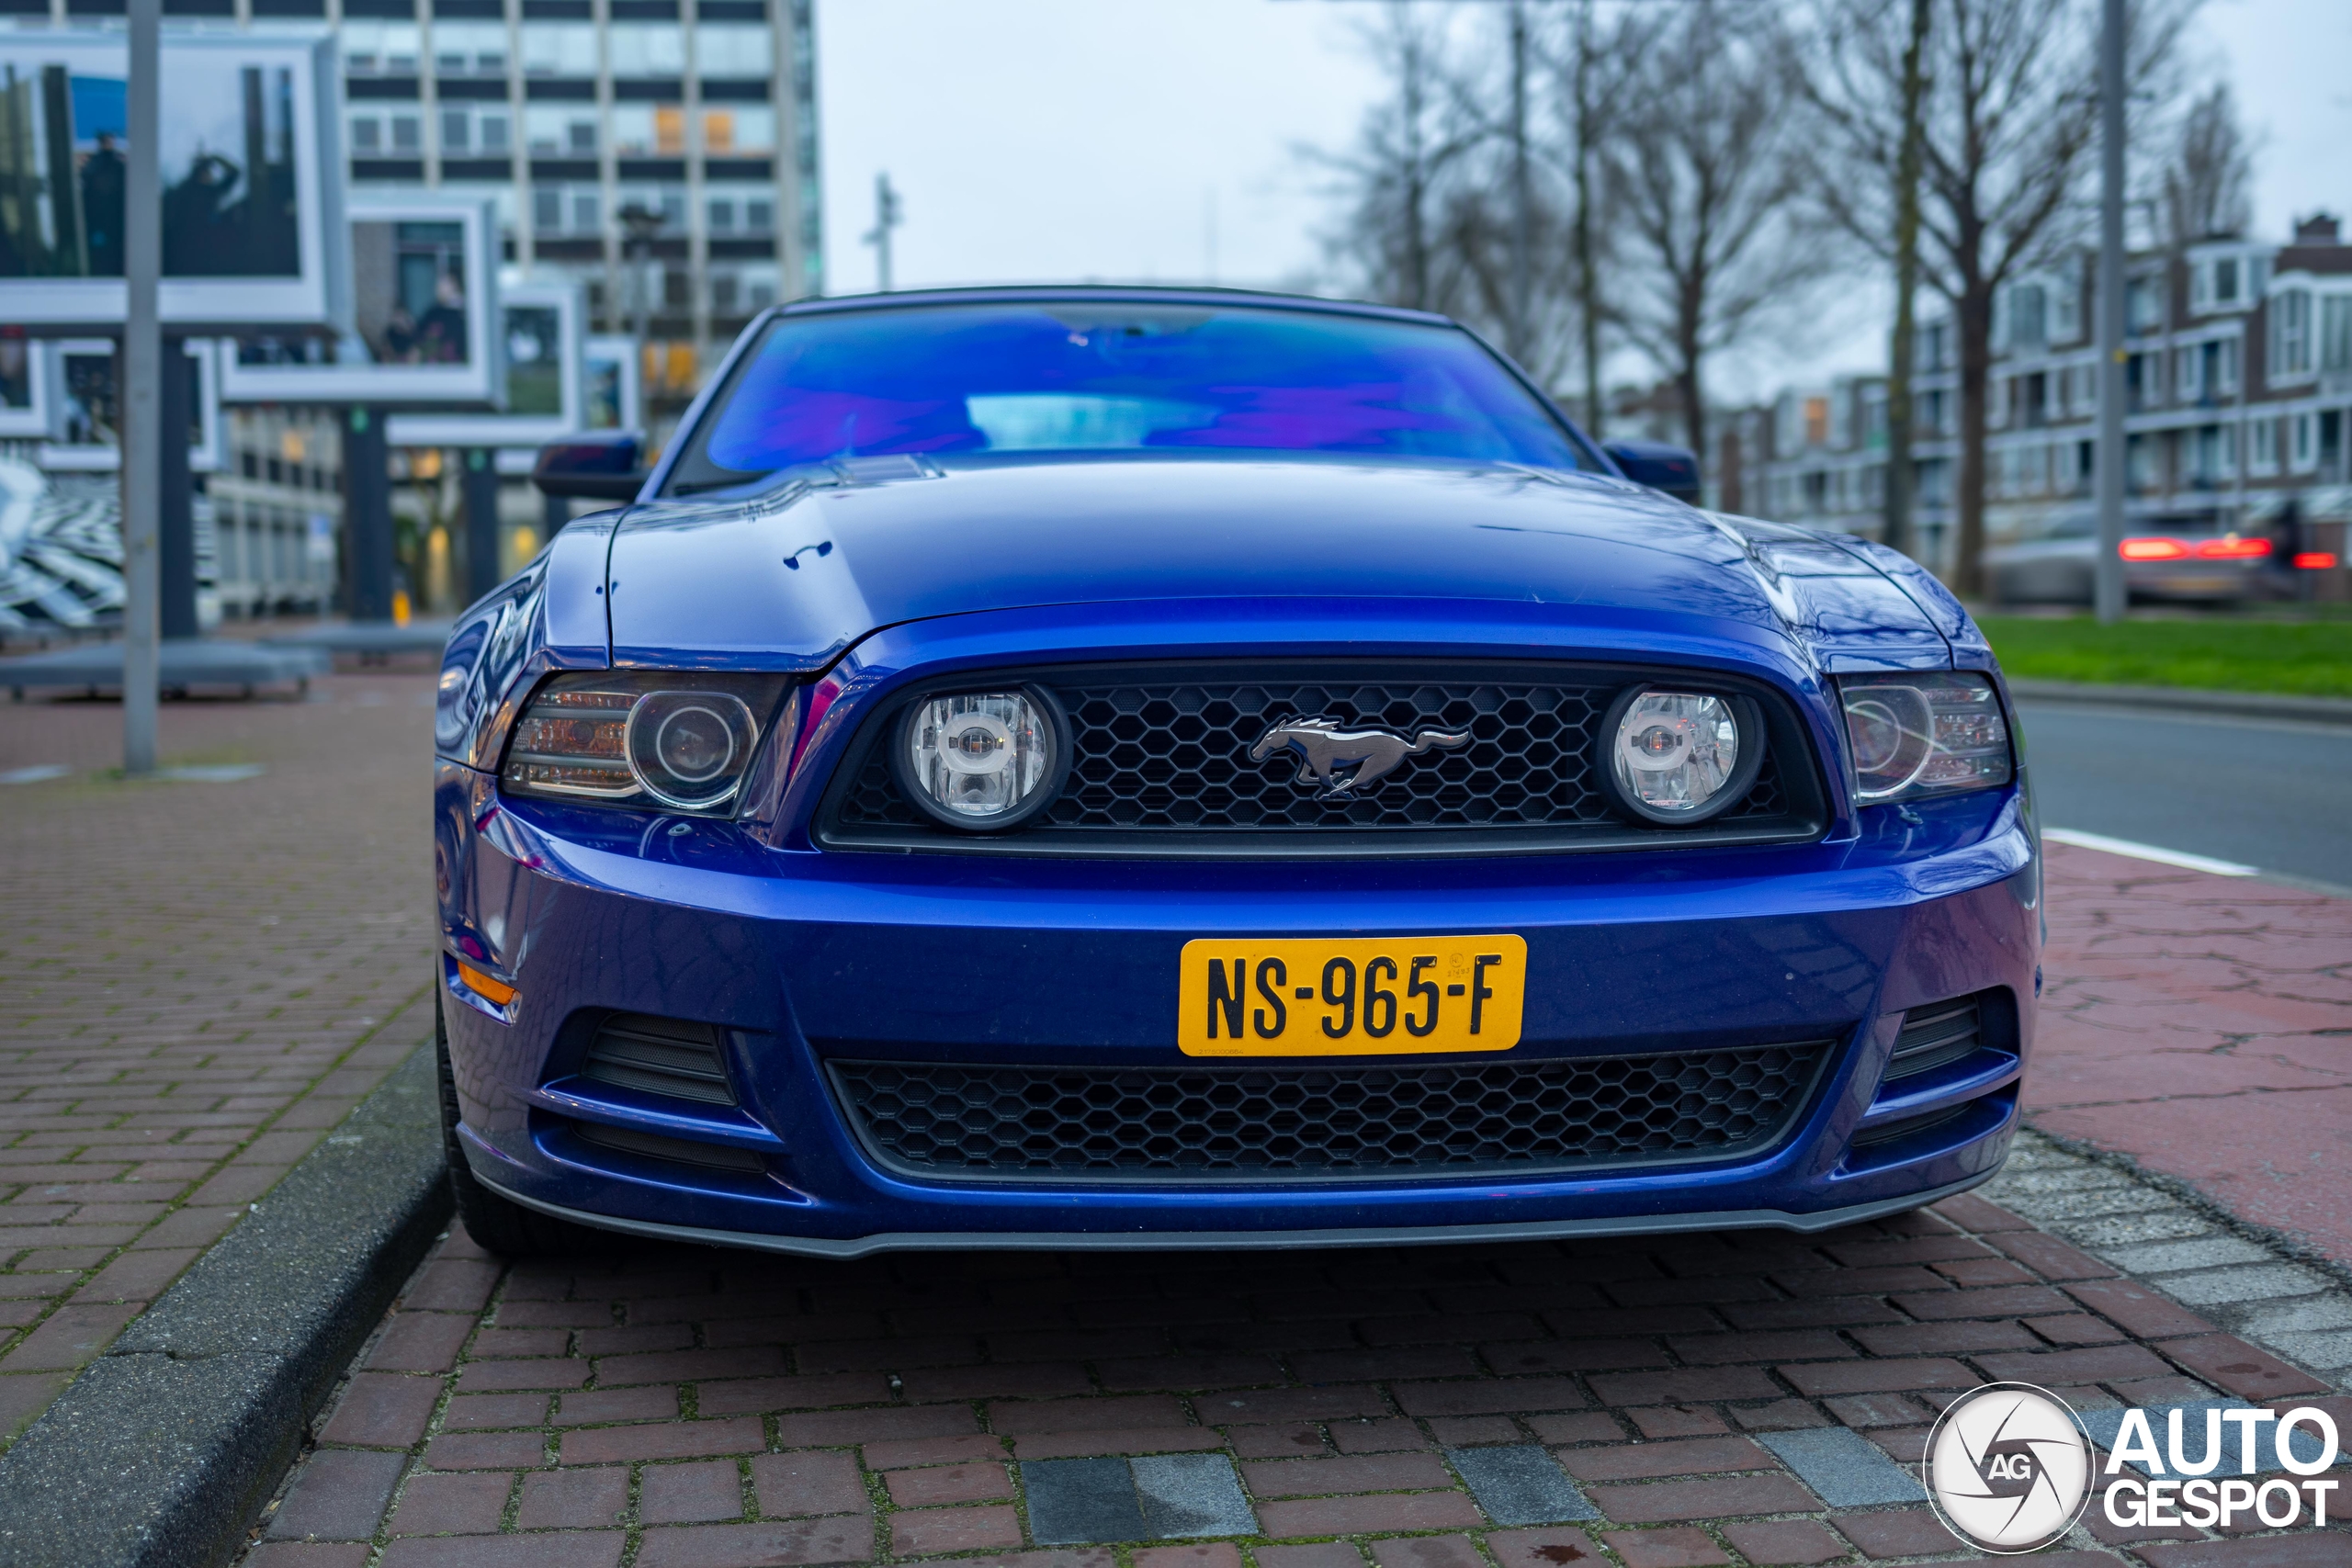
2008,1468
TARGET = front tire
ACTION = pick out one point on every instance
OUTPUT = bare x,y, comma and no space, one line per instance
498,1224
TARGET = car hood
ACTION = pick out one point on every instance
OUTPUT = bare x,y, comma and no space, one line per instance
791,579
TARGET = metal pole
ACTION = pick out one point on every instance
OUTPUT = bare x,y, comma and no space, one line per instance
2108,573
138,376
1523,240
175,492
368,515
478,486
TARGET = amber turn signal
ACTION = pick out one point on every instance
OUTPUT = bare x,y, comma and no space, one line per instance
484,987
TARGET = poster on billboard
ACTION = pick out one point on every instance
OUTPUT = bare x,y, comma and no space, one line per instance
251,154
424,317
78,407
540,336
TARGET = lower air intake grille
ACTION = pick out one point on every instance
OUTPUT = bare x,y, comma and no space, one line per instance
659,1056
679,1151
1937,1034
1310,1123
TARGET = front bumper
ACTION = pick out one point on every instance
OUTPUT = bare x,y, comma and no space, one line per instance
801,956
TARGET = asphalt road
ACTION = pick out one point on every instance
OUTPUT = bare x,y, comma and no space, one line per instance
2266,793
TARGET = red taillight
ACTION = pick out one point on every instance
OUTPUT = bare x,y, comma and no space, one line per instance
2233,548
2315,560
2152,549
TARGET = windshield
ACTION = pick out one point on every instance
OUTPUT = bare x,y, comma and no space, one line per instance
950,381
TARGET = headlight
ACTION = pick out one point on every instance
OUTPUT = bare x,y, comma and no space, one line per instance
1680,757
982,759
1935,733
680,741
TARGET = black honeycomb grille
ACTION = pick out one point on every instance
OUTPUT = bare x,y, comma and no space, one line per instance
1277,1124
1155,755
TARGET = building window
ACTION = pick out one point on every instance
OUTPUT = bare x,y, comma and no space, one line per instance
560,130
2143,306
2335,332
2029,327
759,216
464,48
587,211
738,130
556,49
2262,447
722,217
380,49
408,134
2303,455
738,50
645,130
648,49
367,135
2221,364
2189,372
494,131
724,291
456,131
2291,334
547,208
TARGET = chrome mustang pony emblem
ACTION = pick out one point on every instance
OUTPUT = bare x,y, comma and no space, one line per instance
1346,761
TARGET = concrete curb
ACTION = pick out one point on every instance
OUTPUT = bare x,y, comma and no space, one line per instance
164,1449
2236,704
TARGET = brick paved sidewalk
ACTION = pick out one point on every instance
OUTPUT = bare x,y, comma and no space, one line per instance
202,978
2203,1025
1737,1398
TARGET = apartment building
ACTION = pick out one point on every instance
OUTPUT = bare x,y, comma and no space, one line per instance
2238,384
565,112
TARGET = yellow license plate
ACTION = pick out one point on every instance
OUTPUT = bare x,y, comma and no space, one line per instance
1350,996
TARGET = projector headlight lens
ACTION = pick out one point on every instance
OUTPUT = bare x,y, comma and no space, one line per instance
982,759
1937,732
650,740
1680,757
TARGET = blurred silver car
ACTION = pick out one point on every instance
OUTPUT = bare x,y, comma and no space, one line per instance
2179,556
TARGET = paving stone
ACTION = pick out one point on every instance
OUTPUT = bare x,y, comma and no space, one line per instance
1678,1546
765,1545
1784,1543
1187,1495
340,1496
1519,1485
1542,1548
1844,1467
2172,1256
916,1532
702,1491
1317,1554
452,1505
2265,1282
1427,1551
1081,1501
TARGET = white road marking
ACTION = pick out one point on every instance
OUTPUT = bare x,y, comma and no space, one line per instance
2149,851
35,775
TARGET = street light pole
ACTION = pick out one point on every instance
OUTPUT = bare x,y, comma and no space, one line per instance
887,217
2108,592
139,379
642,223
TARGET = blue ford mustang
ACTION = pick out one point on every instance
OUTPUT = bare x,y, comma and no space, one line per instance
1141,768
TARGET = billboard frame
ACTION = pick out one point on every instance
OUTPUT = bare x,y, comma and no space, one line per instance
448,428
210,455
201,306
480,379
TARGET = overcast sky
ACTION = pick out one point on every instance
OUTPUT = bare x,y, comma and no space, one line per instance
1123,140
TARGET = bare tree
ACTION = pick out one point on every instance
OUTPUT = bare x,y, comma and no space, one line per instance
2011,121
1701,180
1390,182
1868,82
1593,61
2207,184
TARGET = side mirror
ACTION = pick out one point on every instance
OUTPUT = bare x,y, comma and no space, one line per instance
1658,465
596,465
